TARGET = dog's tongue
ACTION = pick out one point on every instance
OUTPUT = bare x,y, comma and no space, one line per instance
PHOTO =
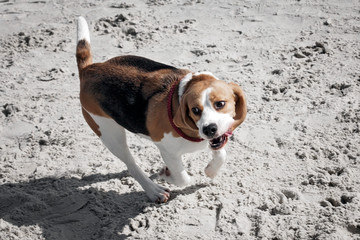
228,133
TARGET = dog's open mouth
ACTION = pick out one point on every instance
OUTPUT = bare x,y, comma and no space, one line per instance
219,142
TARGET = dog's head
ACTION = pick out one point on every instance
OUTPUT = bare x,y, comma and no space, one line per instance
211,107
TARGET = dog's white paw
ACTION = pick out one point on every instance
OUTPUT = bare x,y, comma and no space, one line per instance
179,179
211,171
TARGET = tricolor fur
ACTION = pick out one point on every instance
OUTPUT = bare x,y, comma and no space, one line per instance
130,92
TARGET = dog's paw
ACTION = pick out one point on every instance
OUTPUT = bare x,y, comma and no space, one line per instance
157,193
211,171
179,179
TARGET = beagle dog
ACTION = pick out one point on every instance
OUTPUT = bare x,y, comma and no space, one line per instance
180,111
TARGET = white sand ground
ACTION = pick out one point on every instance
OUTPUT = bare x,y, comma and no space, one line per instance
293,169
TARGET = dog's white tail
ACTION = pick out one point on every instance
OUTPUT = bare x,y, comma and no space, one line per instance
83,53
82,30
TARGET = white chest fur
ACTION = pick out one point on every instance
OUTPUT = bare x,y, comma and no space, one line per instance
179,146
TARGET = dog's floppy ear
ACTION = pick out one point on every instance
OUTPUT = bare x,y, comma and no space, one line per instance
181,118
240,105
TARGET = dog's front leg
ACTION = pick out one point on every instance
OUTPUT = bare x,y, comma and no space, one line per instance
174,171
219,158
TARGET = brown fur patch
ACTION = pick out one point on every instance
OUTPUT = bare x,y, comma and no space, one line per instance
89,102
157,121
90,121
157,118
240,105
83,54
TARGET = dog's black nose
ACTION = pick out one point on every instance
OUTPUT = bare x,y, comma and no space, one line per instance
210,130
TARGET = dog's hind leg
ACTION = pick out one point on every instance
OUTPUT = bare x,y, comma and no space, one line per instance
114,137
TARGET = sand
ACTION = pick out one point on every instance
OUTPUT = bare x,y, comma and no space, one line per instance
293,169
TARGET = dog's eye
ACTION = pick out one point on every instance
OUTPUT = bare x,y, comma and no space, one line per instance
196,110
219,105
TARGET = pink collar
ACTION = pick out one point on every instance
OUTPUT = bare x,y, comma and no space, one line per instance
171,119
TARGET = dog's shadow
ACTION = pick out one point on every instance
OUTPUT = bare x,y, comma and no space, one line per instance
64,209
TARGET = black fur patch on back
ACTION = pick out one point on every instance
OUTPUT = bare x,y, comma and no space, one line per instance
140,63
124,102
